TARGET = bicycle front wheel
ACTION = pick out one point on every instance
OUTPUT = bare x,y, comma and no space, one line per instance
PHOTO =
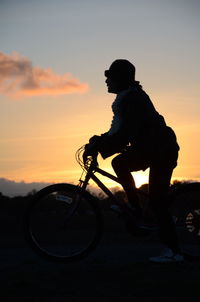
64,223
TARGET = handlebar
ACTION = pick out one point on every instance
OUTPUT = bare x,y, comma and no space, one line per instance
91,160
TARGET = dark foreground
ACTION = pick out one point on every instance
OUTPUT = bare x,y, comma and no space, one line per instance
118,270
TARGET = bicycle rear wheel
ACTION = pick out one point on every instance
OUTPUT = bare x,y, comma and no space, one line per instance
64,223
185,210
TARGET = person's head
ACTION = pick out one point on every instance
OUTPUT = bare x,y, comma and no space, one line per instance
120,76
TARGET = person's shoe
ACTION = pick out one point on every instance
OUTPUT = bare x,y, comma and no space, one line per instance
167,256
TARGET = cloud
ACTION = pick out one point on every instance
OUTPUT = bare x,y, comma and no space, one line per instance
12,188
19,78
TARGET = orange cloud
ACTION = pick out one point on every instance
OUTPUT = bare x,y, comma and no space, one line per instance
18,78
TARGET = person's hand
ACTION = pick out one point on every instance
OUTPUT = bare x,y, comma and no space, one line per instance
95,139
86,154
90,150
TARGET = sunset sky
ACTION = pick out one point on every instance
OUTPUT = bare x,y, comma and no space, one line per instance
53,96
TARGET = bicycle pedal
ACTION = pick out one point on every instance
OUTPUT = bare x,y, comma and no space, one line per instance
137,230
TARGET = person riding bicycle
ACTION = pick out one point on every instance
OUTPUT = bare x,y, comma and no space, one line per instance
140,136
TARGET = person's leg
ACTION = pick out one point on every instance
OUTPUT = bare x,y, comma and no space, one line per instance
126,179
159,182
123,164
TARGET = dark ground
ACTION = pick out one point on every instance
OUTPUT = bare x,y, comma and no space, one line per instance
118,270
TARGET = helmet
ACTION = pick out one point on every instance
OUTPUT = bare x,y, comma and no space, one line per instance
121,70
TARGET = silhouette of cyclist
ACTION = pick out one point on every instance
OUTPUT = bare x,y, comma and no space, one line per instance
140,136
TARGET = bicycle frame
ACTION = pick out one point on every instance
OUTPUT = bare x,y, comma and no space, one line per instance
90,175
91,170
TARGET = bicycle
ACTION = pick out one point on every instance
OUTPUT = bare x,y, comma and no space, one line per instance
65,222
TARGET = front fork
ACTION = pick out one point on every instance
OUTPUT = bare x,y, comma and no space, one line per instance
83,183
77,200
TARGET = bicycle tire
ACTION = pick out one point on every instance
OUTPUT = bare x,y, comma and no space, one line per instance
63,223
185,209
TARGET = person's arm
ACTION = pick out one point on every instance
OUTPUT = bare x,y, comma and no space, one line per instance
92,147
117,137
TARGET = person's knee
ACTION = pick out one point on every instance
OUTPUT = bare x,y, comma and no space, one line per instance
120,167
116,163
